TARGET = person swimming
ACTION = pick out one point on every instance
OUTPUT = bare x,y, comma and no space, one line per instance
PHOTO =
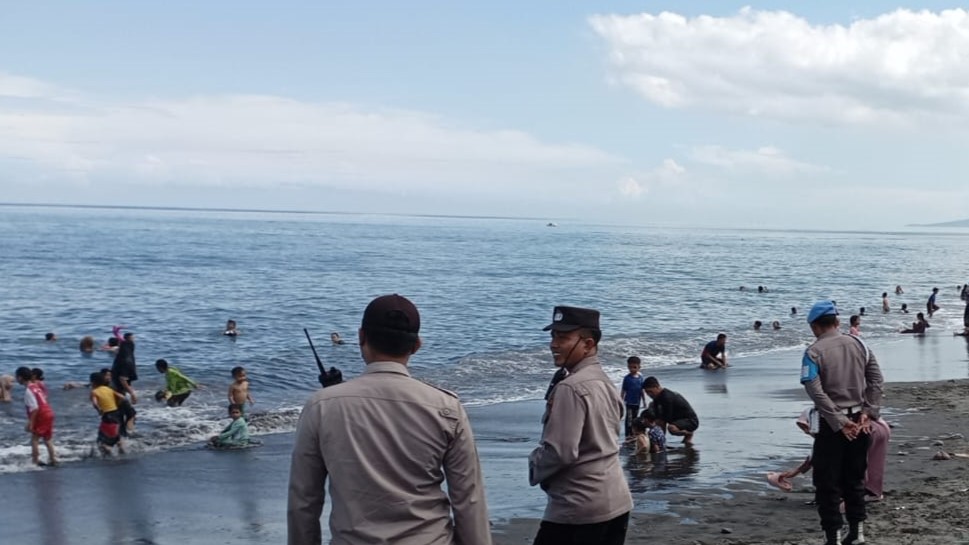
230,329
86,345
757,325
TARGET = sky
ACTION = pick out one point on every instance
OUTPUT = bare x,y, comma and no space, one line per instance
704,113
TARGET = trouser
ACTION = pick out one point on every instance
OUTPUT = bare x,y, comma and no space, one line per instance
632,412
127,412
610,532
839,474
176,401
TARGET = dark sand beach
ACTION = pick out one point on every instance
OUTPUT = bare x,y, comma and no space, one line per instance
715,495
926,501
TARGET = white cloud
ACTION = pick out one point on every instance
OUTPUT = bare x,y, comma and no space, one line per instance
669,172
765,160
263,141
896,67
630,187
13,86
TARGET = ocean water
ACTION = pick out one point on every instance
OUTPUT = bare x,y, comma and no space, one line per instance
485,288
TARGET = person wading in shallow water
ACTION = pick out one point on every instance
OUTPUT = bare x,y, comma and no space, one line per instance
842,378
577,460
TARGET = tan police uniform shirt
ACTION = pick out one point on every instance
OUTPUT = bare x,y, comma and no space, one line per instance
387,442
577,461
840,372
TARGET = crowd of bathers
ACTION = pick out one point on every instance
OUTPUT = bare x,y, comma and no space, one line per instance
113,396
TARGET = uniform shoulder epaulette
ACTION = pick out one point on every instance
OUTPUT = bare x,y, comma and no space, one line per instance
436,387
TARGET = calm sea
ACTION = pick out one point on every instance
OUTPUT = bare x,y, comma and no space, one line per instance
485,288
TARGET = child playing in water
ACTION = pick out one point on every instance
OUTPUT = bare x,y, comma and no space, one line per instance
639,437
236,434
40,417
855,322
6,388
105,401
37,374
177,386
239,389
657,437
632,392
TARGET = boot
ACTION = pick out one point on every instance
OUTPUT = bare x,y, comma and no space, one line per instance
832,537
856,534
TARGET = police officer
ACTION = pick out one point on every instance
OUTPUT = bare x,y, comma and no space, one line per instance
387,442
843,379
577,461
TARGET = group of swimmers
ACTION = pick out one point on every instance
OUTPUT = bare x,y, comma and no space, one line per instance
113,398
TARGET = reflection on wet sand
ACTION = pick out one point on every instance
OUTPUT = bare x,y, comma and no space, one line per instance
49,502
653,471
130,517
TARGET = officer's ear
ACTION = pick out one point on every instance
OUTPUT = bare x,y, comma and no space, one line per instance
417,346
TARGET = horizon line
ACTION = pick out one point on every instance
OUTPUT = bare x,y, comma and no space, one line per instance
261,211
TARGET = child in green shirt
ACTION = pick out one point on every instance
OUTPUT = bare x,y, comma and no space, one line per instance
177,386
236,434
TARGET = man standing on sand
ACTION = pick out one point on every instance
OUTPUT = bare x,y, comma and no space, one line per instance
577,460
387,442
714,355
843,379
673,412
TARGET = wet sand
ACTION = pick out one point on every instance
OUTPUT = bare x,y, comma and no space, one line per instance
926,501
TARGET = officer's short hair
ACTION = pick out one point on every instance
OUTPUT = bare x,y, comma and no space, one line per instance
594,334
391,324
828,320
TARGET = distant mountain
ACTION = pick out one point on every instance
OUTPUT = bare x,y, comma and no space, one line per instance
957,223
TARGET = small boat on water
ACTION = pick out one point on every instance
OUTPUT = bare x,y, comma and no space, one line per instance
551,224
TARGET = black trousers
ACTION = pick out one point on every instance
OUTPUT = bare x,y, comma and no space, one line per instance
839,474
176,401
632,413
610,532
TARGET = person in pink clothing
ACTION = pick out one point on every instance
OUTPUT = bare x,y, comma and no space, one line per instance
40,417
879,432
855,328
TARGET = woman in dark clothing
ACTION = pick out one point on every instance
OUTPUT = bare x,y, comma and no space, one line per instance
123,373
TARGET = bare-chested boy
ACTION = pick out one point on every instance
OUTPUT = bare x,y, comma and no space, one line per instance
239,389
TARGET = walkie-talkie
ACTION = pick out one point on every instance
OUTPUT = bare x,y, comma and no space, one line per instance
327,378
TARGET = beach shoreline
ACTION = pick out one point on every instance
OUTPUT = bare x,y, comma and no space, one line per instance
189,494
926,501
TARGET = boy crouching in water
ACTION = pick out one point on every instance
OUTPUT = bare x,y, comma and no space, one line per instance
105,401
236,434
177,386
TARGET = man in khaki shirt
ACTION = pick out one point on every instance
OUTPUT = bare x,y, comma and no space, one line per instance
842,377
387,442
577,461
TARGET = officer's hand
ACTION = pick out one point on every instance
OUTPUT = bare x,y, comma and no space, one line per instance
850,430
864,423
